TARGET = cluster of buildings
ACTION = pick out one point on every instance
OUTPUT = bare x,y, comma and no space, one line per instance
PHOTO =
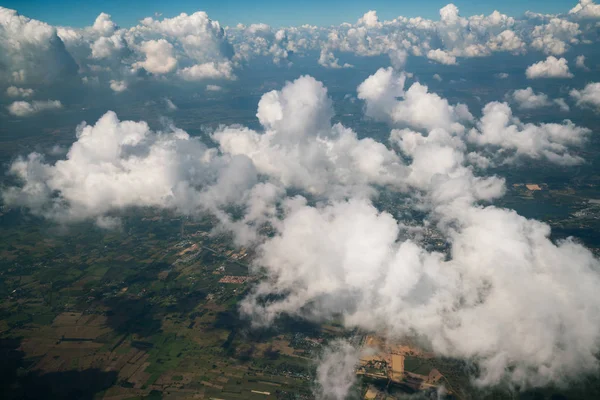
385,363
234,279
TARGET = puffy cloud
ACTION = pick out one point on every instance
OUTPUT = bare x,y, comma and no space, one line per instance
555,36
476,36
213,88
507,40
449,14
580,62
211,70
201,38
416,107
499,128
157,46
116,164
526,99
328,60
448,151
197,40
441,57
13,91
528,304
443,41
25,108
118,86
589,96
260,40
103,42
108,47
104,25
380,92
336,371
585,9
446,124
370,19
552,67
159,57
262,29
301,149
345,259
31,51
299,108
192,46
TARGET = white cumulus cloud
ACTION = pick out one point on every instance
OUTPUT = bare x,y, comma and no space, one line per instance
589,96
26,109
498,127
13,91
222,70
580,62
159,57
118,86
586,9
527,99
31,51
552,67
441,57
386,100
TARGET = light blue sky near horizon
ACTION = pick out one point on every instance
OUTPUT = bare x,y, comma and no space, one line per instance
79,13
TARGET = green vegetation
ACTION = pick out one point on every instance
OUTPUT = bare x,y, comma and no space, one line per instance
126,302
142,310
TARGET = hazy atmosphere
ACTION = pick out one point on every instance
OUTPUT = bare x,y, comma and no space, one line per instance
332,200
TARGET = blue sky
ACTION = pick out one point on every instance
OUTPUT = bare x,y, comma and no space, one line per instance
273,12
